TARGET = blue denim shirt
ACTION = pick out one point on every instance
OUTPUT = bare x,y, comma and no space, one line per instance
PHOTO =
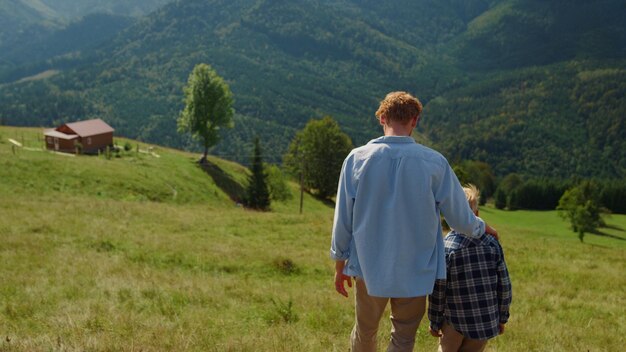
387,216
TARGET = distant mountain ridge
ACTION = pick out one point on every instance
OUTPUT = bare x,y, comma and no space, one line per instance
474,63
19,16
32,31
72,9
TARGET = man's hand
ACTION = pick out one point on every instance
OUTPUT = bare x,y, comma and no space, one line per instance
491,231
340,278
435,333
500,329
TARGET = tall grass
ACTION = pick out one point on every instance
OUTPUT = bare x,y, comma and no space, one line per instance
88,271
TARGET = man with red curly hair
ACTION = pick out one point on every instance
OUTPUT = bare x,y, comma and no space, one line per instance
387,230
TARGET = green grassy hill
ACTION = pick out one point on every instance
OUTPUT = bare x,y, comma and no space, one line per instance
147,253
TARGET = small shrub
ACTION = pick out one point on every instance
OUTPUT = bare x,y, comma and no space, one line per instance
277,183
104,246
78,147
286,266
128,147
282,312
500,199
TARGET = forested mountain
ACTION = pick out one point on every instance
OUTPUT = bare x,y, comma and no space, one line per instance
528,86
32,31
58,48
78,8
544,90
18,17
32,11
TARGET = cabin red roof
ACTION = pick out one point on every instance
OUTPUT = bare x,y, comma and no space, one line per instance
86,128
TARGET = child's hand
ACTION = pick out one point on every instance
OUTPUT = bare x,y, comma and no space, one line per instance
500,329
491,231
435,333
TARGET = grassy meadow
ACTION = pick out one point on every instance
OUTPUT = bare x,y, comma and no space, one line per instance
146,253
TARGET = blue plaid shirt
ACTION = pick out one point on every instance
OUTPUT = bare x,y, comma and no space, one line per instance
475,297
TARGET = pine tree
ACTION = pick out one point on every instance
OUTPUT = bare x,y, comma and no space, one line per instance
258,195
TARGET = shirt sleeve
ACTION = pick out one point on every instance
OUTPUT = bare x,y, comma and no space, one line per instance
504,290
451,200
436,305
342,223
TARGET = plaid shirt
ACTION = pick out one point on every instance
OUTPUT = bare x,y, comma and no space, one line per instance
476,295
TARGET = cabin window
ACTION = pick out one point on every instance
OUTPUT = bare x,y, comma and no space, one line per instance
49,139
88,140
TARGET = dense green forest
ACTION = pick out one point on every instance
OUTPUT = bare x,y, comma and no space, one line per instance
527,86
33,31
74,9
32,11
60,48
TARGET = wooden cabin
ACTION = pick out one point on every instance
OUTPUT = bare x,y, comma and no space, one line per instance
92,135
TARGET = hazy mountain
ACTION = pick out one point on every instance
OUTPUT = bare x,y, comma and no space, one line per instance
534,32
17,16
502,79
75,40
36,30
545,90
34,10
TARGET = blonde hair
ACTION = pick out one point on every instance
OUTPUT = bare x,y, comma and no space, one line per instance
400,107
473,196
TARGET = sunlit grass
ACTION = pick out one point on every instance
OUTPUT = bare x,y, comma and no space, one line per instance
82,271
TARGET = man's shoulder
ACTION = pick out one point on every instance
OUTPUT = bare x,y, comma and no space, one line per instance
427,153
416,150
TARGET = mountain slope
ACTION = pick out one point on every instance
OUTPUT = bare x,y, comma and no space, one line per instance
556,121
526,33
289,62
65,10
72,41
275,77
17,18
545,90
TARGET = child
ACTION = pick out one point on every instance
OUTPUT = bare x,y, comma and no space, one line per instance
472,305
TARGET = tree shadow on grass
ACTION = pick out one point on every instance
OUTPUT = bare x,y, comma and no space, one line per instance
614,227
327,202
604,234
224,181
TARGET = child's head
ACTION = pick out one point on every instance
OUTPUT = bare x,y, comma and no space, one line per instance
473,195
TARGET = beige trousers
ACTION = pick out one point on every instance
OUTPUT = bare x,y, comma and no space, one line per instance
453,341
406,314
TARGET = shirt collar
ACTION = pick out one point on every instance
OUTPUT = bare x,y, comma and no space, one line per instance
393,139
